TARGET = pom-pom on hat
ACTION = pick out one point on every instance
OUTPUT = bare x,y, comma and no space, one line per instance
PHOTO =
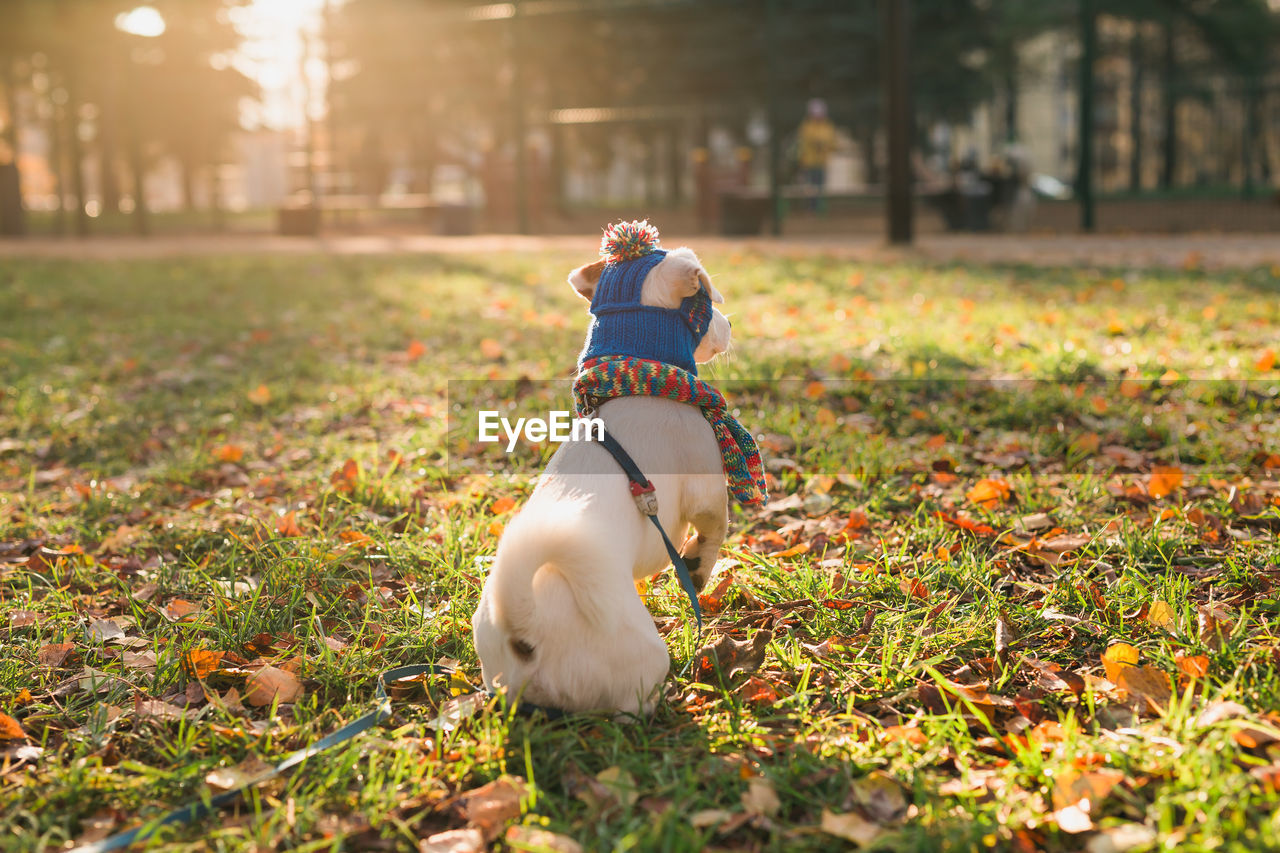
626,241
622,325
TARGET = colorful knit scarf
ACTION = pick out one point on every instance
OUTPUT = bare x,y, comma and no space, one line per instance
603,378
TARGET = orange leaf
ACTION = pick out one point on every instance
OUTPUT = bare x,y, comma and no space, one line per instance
936,441
1164,480
229,453
913,587
260,396
1117,658
501,505
491,349
345,478
757,691
178,610
11,729
794,550
814,390
199,663
988,493
287,524
1193,666
1265,362
416,350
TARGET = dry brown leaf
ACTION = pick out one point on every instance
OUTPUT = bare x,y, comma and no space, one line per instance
539,840
271,684
157,709
454,841
850,826
1147,683
760,797
54,653
22,618
733,657
880,796
491,807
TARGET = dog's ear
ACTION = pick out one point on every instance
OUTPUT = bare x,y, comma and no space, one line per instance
584,278
705,281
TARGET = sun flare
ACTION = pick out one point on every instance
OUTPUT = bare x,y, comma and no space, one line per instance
274,53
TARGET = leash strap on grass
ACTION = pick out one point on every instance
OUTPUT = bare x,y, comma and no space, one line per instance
647,503
194,811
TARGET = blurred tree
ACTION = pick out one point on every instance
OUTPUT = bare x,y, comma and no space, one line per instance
161,95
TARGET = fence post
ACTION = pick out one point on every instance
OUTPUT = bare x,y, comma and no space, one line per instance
897,71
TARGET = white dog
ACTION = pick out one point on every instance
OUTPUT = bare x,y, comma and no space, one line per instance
559,622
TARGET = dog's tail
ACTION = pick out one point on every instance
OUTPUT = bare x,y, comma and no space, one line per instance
555,546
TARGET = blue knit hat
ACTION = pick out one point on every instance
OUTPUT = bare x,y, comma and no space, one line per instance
621,325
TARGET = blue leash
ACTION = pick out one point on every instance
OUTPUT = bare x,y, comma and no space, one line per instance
195,811
647,503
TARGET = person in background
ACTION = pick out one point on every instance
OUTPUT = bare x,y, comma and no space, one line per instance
817,140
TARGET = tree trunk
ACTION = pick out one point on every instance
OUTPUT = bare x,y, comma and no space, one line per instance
1135,109
188,183
13,221
72,120
1251,110
1169,164
1011,95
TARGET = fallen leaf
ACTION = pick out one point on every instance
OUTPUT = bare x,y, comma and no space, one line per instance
104,630
199,663
1147,683
287,525
1117,658
502,504
22,618
760,797
757,691
1164,480
620,783
11,729
537,840
229,453
179,610
271,684
54,653
454,841
850,826
989,493
1161,615
259,396
491,349
490,807
709,817
122,537
1193,666
880,796
733,657
157,709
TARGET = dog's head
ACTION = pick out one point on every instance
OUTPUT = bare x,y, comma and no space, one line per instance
668,284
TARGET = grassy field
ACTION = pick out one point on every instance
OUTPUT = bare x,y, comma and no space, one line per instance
1016,587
